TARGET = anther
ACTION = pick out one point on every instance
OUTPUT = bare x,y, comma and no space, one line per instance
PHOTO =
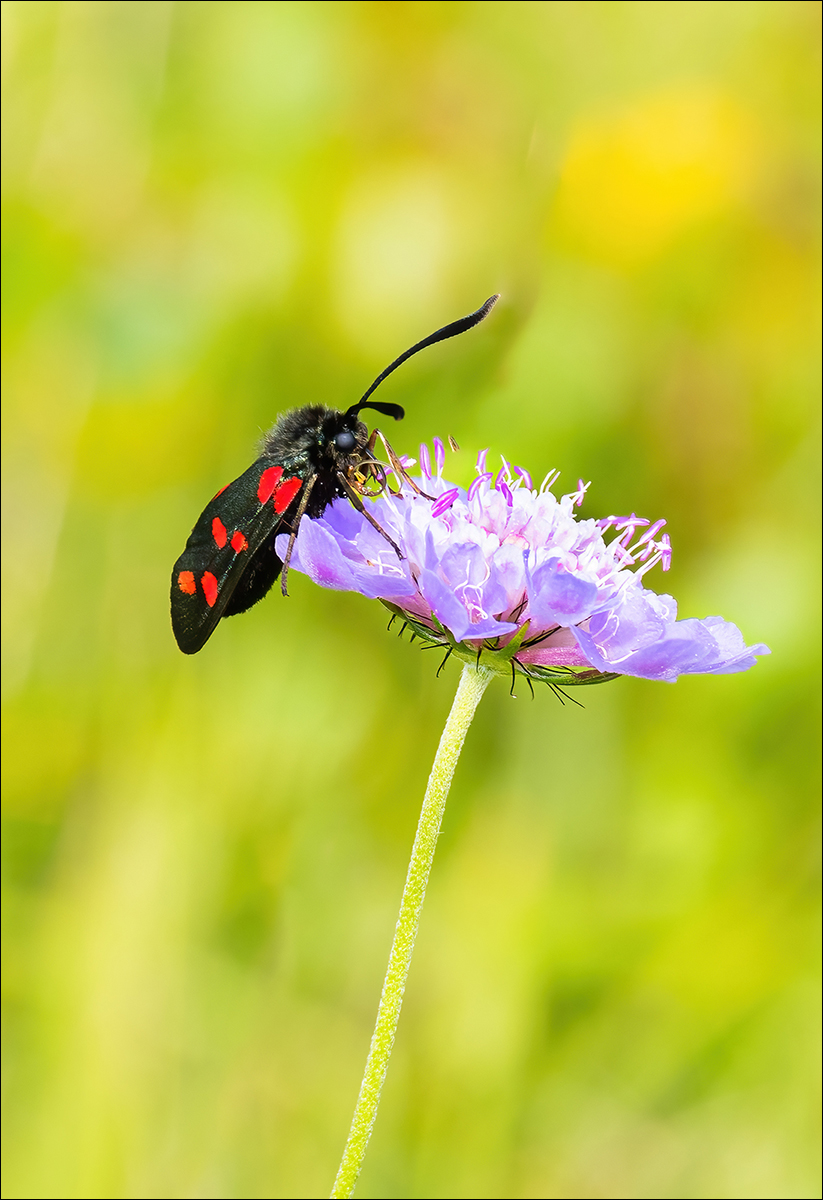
478,483
444,502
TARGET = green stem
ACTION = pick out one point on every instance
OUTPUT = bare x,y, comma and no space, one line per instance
473,683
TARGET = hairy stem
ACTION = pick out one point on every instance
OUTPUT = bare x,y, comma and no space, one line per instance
473,683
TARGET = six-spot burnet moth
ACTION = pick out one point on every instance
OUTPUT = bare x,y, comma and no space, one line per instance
311,456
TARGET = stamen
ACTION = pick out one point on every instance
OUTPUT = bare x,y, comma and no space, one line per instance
478,483
445,501
505,490
650,532
481,461
634,521
439,455
577,496
648,566
665,547
525,476
425,461
624,558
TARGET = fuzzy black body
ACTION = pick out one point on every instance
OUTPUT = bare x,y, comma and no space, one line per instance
230,561
305,442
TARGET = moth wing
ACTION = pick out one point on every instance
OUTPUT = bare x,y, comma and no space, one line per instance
229,532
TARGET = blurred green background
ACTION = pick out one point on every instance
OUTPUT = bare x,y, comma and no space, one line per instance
214,212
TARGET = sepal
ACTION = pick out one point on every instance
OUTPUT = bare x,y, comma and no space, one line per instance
502,661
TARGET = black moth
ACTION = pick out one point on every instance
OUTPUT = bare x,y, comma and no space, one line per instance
311,456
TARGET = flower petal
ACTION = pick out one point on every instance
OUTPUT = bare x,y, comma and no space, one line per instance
318,555
684,648
557,596
453,614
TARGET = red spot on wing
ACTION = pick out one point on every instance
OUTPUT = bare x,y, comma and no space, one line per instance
220,493
268,482
218,530
209,588
285,493
238,542
185,581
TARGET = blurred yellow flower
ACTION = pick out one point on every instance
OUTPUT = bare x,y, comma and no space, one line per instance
631,182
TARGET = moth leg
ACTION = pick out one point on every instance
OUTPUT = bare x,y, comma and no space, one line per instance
304,500
370,467
381,468
399,469
361,508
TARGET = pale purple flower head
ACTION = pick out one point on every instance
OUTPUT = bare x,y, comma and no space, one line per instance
508,572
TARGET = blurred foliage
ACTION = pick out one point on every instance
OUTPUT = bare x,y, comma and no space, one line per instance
213,212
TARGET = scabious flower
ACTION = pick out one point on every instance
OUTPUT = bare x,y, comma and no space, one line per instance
506,572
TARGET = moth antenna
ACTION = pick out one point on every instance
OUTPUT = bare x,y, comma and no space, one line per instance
440,335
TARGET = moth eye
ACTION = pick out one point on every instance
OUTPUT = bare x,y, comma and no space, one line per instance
345,440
